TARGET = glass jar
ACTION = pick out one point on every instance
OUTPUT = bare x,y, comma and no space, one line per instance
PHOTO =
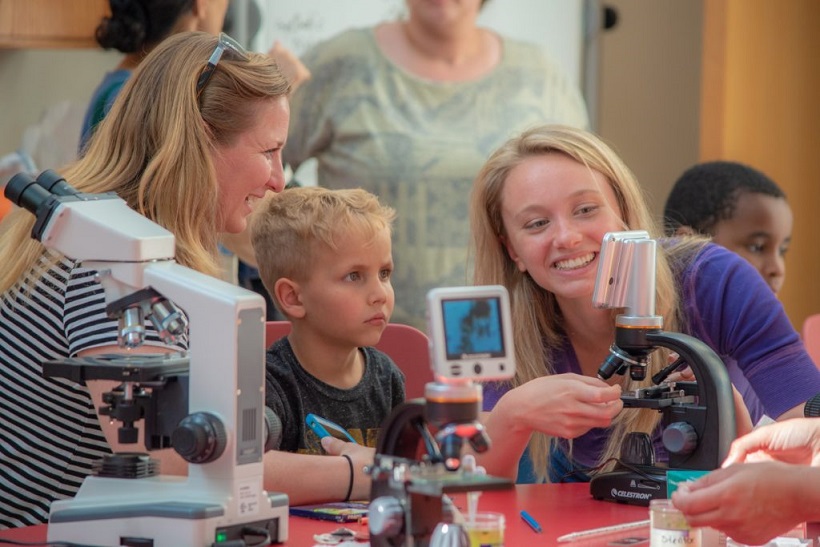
668,526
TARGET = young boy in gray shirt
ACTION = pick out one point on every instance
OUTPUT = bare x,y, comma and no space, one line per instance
326,258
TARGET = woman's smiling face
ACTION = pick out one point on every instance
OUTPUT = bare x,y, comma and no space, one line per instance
555,213
247,168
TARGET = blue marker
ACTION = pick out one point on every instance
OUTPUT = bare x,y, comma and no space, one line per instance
531,522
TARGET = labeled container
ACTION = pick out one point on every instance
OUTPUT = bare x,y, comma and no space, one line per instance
668,526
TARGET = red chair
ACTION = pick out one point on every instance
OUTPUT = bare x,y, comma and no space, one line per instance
406,345
811,337
274,330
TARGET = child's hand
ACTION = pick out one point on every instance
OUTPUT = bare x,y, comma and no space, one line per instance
360,456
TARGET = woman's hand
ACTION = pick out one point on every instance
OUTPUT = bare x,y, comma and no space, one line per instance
360,456
563,405
752,503
290,65
792,441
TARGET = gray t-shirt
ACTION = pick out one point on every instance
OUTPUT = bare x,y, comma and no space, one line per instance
418,144
292,393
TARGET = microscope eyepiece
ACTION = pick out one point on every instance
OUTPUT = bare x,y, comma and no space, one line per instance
22,190
30,193
55,184
40,196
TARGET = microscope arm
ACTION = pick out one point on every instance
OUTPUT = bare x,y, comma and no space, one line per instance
714,386
714,414
403,430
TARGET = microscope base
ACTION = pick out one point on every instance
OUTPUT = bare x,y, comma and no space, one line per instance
162,512
630,487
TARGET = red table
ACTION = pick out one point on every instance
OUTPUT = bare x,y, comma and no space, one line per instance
559,508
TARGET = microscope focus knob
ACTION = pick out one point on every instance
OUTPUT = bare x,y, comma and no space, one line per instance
199,437
680,438
812,408
637,449
273,430
385,517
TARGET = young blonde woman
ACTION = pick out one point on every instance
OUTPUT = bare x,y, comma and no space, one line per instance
540,207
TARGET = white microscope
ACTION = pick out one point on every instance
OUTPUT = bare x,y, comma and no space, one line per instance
222,501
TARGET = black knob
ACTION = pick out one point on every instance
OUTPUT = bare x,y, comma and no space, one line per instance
812,408
200,438
637,449
127,434
610,17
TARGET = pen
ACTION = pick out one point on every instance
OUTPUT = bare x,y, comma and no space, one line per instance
584,534
531,522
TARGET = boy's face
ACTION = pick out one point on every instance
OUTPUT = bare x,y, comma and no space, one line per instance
348,297
760,231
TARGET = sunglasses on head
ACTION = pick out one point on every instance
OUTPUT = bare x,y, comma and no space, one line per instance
225,43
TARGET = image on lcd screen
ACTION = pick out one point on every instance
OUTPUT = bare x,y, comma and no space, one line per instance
472,327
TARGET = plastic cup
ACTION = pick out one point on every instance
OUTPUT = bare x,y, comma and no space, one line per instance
486,530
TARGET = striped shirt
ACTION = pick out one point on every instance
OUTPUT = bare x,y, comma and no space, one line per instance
49,431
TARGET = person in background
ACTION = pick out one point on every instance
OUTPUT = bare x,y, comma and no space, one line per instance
539,210
740,208
135,27
754,502
409,110
194,173
325,256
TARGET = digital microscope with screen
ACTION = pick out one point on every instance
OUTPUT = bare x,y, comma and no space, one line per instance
420,447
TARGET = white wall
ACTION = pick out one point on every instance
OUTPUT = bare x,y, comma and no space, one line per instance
33,80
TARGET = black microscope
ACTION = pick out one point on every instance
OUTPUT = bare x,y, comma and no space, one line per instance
419,451
698,418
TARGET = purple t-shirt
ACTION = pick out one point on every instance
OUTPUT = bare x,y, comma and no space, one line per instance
729,307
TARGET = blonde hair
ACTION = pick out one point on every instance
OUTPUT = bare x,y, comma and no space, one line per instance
288,226
154,148
536,317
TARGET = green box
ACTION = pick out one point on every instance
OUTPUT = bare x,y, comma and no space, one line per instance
676,476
